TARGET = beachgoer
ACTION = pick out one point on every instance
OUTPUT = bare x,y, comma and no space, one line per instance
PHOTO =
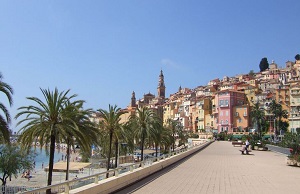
43,165
28,175
23,174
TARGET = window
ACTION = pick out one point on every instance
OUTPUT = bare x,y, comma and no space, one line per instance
226,102
240,120
221,102
227,113
221,113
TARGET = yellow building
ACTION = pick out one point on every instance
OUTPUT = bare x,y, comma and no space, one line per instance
241,118
201,108
282,96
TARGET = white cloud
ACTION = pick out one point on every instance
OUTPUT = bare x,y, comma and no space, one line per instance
170,63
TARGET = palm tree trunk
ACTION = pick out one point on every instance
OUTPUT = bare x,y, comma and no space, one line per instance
279,119
156,150
51,160
173,144
109,153
68,160
116,155
4,182
142,147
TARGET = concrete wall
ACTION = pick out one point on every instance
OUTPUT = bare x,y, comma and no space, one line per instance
115,183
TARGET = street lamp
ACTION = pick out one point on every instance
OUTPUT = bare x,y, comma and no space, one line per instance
123,145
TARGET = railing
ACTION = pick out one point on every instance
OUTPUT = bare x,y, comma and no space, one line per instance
65,187
12,189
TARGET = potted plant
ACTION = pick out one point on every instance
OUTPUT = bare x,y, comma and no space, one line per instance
298,160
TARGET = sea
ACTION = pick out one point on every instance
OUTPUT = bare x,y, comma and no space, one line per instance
42,158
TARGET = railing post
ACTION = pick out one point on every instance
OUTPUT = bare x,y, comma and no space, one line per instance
131,168
142,164
67,188
116,172
96,179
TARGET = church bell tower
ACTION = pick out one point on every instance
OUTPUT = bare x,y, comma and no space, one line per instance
161,89
133,100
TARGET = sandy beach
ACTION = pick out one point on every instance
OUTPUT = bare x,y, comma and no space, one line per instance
39,177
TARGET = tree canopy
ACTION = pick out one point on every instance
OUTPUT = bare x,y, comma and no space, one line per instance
111,124
57,120
5,120
264,64
13,161
251,73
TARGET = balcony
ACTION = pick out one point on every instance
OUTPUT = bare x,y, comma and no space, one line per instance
224,123
295,93
224,105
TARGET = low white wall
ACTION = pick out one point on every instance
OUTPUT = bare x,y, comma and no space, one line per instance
115,183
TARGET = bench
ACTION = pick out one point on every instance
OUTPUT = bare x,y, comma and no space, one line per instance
237,143
244,150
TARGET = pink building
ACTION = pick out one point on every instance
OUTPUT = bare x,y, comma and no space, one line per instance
225,102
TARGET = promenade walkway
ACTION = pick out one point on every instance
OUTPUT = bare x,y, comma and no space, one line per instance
220,168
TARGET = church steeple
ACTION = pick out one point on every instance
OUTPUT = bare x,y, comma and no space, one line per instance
133,100
161,89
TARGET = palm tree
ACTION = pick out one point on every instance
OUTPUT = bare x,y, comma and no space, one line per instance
111,123
157,135
257,114
49,122
161,136
5,121
144,121
128,135
80,129
172,125
167,139
278,113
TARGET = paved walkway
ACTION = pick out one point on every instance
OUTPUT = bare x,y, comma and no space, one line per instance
220,168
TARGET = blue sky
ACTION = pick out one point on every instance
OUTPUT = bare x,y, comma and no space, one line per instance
104,50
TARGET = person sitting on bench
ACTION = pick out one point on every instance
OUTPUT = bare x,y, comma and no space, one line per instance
246,148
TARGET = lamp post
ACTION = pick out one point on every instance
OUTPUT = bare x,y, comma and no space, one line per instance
118,159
